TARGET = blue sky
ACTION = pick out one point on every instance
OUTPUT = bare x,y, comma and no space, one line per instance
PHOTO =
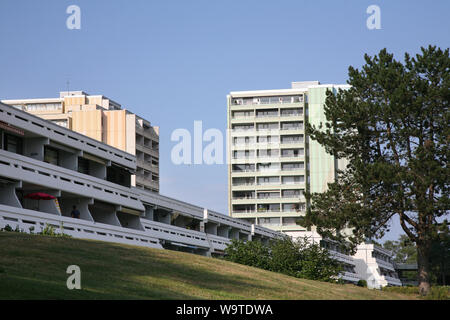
173,62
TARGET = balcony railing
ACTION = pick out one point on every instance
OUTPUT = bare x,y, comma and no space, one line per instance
294,114
25,219
19,167
243,211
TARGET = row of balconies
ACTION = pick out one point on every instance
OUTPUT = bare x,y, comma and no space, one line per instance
271,130
276,171
268,198
276,100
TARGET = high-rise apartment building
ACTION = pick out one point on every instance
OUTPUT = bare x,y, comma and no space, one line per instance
103,119
271,160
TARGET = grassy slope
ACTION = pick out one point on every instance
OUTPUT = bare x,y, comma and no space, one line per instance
34,267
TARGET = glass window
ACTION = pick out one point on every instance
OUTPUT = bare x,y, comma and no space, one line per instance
13,143
83,165
51,155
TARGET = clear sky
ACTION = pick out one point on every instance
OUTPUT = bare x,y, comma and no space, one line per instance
173,62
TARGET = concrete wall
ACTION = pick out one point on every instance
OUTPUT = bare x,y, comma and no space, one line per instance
211,228
223,231
8,196
104,214
34,148
322,164
97,170
68,160
82,205
129,221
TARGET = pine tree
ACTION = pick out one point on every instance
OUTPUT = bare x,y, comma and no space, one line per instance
392,125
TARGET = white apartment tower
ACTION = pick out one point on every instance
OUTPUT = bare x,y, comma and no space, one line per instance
271,160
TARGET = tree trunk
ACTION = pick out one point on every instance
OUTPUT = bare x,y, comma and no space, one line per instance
423,266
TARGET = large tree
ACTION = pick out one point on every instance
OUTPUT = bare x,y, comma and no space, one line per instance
392,125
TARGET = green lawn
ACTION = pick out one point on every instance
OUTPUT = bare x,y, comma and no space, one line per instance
34,267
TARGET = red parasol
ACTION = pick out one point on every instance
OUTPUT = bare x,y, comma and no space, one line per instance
39,196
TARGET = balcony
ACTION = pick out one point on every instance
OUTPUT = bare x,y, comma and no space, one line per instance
25,219
176,234
275,100
385,264
18,167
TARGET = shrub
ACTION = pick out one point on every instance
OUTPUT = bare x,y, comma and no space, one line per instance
362,283
250,253
436,293
7,228
295,258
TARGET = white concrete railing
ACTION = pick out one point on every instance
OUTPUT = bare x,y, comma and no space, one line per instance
25,219
349,276
175,234
392,280
385,264
18,167
341,257
226,220
217,242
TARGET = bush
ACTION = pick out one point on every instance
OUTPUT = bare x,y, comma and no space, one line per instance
50,231
7,228
362,283
250,253
298,259
285,257
437,292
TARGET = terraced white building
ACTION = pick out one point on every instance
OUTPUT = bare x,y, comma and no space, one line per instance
39,156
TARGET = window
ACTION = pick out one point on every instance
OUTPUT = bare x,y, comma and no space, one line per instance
267,113
51,155
291,125
271,221
13,143
62,123
292,193
292,166
83,165
293,179
292,139
289,221
268,180
267,126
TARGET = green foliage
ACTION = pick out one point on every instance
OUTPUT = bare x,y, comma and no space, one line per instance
7,228
50,231
285,257
250,253
436,293
391,126
440,257
294,258
404,249
47,231
362,283
316,263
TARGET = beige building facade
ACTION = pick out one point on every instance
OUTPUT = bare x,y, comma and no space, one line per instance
103,119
